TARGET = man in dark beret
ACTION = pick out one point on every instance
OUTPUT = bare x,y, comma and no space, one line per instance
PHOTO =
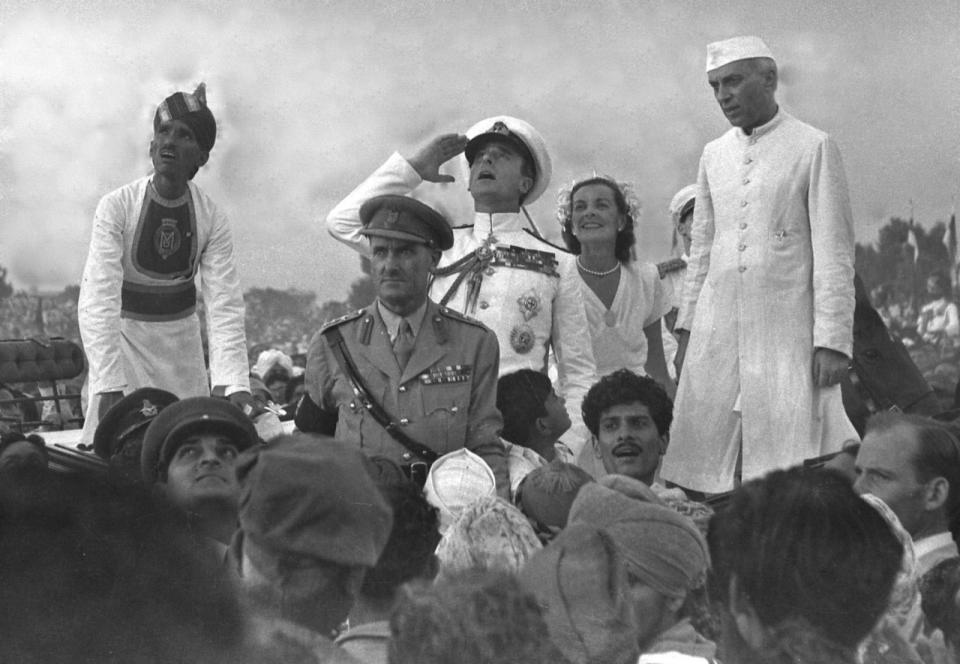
433,371
150,240
189,456
312,522
119,436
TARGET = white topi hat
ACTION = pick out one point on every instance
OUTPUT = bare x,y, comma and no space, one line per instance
525,137
724,52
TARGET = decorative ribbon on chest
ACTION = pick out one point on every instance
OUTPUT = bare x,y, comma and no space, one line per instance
474,265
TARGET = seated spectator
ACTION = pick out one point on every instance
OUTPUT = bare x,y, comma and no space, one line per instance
940,590
816,593
456,480
912,463
312,522
189,456
476,617
94,573
580,582
629,420
408,556
295,389
489,533
546,494
18,452
534,418
118,437
665,557
11,416
275,369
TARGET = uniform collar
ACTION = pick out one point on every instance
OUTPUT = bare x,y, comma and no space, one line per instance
491,223
392,320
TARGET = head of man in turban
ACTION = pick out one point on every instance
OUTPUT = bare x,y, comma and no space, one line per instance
664,554
184,132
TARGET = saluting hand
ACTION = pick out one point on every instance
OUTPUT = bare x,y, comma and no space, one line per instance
432,155
829,366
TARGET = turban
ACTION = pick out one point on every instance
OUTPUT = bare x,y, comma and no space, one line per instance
489,534
580,582
662,548
682,201
191,109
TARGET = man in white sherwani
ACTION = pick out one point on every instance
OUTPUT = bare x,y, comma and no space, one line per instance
499,270
766,321
138,296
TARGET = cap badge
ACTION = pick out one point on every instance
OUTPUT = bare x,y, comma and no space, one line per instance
148,409
167,238
392,217
499,128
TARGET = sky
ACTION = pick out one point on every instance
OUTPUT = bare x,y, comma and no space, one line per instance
310,97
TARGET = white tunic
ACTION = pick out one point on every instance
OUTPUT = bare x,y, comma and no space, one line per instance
126,352
642,298
770,278
530,312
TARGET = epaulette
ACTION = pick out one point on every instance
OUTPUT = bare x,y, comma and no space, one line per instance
353,315
456,315
547,242
672,265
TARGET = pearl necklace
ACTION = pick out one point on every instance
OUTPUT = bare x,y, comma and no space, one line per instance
595,272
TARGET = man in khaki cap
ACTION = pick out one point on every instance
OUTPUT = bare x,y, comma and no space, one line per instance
765,325
432,371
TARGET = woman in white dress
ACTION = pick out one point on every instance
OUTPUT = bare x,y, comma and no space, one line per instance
624,299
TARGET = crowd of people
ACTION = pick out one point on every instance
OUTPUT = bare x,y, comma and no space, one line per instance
515,452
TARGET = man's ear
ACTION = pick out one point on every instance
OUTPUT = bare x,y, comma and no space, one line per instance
936,493
202,159
664,442
526,184
435,255
745,618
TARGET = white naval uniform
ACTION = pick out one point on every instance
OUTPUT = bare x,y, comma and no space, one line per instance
770,278
529,311
133,334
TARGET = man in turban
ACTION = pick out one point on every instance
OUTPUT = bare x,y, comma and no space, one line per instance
765,327
138,297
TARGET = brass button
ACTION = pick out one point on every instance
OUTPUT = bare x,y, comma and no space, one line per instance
406,456
743,225
490,270
743,268
746,180
404,420
484,305
748,160
743,204
742,247
402,388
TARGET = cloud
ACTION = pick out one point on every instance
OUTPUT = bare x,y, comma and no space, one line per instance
311,97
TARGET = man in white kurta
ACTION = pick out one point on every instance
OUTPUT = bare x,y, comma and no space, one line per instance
767,313
150,239
506,276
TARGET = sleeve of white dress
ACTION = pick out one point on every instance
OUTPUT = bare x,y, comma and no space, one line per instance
701,235
831,232
662,293
395,176
98,309
223,301
570,335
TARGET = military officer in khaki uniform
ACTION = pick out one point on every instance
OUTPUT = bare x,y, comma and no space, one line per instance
433,371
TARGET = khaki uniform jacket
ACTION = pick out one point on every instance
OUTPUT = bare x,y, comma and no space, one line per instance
445,398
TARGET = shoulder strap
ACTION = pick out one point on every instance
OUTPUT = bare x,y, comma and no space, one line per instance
342,354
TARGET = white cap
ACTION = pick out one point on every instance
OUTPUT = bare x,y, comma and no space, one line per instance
516,130
682,200
724,52
456,480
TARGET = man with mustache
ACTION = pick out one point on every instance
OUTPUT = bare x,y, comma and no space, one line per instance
498,269
432,371
138,297
765,325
